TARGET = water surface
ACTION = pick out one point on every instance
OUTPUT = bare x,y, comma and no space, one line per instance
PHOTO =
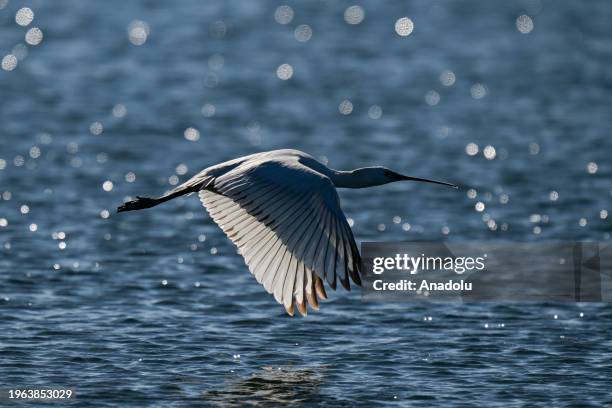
156,308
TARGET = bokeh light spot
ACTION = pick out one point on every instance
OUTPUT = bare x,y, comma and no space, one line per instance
284,72
283,15
9,62
354,15
524,24
404,27
24,16
138,32
34,36
345,107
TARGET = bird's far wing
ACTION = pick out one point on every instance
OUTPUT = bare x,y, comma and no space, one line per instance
287,222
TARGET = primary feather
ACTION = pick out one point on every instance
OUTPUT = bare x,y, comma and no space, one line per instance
285,218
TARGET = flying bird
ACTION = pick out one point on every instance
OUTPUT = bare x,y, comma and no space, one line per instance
282,211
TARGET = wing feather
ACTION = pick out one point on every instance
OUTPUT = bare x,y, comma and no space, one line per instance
286,221
294,231
299,289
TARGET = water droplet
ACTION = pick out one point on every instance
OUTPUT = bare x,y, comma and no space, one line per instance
524,24
404,26
447,78
489,152
471,149
34,152
283,15
345,107
208,110
119,110
354,15
284,72
18,160
478,91
9,62
107,185
492,225
432,98
375,112
181,169
138,32
192,134
96,128
24,16
34,36
303,33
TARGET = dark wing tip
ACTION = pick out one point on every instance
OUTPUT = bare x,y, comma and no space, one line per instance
138,204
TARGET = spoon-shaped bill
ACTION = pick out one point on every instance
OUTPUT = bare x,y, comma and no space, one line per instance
409,178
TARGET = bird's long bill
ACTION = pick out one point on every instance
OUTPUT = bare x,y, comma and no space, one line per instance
408,178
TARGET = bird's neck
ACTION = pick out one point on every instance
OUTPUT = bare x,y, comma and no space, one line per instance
353,179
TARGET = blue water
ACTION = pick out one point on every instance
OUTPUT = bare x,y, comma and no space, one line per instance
155,308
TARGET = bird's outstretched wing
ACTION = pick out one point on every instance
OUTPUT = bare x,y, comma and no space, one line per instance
287,222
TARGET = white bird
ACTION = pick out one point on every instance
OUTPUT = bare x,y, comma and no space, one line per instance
282,211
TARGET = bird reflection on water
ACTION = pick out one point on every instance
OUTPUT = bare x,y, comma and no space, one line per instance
271,386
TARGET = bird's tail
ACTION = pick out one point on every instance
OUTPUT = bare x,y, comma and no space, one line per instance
194,184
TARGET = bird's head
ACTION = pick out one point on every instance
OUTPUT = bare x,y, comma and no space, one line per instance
376,176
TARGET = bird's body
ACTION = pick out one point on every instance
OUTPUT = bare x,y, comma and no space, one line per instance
282,211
